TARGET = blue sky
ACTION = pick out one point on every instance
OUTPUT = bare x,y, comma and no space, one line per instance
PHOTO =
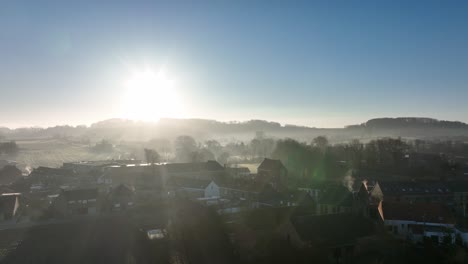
324,64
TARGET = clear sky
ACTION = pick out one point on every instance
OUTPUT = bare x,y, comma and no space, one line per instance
324,64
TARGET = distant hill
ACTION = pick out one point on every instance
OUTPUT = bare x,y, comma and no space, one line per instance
413,127
128,130
412,122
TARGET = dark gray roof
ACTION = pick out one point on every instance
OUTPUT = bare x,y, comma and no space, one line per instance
420,212
181,182
271,165
80,194
47,171
414,188
210,165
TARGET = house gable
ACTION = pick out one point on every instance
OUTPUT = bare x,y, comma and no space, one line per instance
212,190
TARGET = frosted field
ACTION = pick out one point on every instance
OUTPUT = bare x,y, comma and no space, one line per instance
53,152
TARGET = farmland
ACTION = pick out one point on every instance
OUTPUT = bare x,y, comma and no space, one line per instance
53,152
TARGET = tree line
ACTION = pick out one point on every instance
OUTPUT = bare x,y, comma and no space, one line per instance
9,148
318,159
186,149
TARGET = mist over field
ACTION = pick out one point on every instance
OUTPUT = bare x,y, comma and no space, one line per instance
129,130
54,145
233,132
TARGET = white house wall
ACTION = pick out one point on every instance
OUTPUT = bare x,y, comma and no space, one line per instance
464,237
212,190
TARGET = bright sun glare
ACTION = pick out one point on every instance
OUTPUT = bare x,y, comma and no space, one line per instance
150,96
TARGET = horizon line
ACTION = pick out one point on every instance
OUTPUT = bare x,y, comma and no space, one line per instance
282,124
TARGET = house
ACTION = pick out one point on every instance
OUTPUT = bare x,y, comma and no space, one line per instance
212,190
413,191
96,167
375,193
437,234
121,198
188,188
9,206
303,202
368,199
462,234
238,172
46,180
336,199
256,229
156,176
5,189
229,192
460,197
362,198
273,172
9,174
414,221
270,197
313,192
141,175
335,235
77,202
196,170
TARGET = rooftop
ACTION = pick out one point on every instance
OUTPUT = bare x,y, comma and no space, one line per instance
80,194
415,188
419,212
271,165
101,163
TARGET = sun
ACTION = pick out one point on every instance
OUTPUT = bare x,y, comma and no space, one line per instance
150,95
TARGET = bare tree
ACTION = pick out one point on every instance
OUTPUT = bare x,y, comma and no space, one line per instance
184,148
320,142
152,156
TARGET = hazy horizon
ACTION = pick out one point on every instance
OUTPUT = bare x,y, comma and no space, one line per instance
233,131
222,121
45,125
315,64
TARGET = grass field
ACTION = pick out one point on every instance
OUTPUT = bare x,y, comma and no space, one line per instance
52,153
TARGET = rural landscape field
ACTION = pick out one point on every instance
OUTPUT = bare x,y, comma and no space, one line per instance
54,152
